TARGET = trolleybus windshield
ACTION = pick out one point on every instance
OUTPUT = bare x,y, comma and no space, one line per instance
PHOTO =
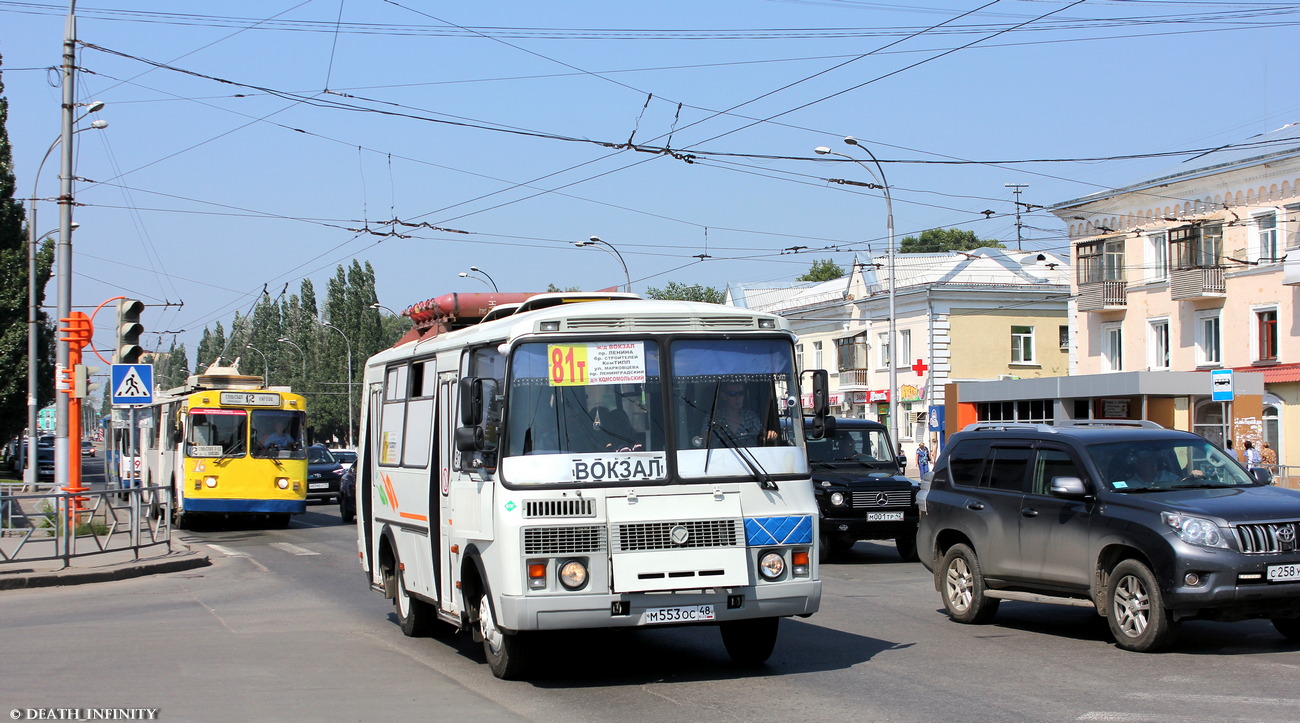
217,432
277,434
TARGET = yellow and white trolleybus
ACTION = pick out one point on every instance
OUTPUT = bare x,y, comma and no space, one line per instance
227,446
561,461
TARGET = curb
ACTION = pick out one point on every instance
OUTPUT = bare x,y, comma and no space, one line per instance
172,562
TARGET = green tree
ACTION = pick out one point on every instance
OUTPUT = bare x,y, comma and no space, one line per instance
14,299
553,289
822,270
682,292
211,345
938,240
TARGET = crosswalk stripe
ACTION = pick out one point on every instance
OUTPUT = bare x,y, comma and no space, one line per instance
293,549
227,551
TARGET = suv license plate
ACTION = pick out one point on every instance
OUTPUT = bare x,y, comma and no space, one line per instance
884,516
680,614
1283,573
318,486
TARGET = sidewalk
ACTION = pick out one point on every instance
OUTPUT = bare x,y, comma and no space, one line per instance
101,567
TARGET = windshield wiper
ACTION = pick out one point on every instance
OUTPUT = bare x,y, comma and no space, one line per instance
823,463
764,479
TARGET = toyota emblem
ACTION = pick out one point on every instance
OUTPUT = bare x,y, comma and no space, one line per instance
679,535
1286,537
882,499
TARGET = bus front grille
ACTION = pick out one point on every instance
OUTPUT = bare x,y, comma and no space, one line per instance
560,508
642,536
564,540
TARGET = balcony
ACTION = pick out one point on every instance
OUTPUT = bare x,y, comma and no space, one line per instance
1192,284
1103,296
854,379
1291,268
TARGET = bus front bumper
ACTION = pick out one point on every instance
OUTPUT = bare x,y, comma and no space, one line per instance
579,610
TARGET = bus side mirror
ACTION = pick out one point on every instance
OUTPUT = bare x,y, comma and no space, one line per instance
469,439
471,401
821,425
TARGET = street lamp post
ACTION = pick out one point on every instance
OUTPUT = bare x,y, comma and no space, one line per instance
603,245
477,270
301,355
349,347
889,211
33,310
377,306
266,368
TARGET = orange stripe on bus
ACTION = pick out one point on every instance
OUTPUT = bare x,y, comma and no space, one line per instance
411,516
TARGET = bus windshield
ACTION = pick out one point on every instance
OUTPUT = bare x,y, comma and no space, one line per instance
594,412
217,432
584,398
277,434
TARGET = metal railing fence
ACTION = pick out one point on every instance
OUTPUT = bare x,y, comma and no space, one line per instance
36,526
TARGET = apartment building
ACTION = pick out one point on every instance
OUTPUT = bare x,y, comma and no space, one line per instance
986,314
1198,269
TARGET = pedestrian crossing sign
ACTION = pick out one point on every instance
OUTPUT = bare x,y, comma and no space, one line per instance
132,383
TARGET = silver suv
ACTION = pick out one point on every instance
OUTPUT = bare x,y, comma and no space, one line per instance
1148,525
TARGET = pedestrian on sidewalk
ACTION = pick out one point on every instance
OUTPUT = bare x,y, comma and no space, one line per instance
922,459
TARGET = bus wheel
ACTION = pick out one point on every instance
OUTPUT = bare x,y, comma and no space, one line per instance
413,616
750,642
505,653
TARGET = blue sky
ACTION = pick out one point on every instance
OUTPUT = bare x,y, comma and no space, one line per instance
492,124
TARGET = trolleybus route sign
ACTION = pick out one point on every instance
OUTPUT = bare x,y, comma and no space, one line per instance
597,363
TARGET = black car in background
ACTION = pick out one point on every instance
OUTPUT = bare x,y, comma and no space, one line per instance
860,488
348,494
323,474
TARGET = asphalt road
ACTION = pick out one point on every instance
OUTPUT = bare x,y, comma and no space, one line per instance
284,627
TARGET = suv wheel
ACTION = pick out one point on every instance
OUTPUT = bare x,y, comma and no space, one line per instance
1138,618
962,587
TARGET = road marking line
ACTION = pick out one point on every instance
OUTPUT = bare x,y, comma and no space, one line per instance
1230,699
293,549
227,551
1111,716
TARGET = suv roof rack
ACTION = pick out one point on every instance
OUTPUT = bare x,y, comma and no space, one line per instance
992,426
1126,423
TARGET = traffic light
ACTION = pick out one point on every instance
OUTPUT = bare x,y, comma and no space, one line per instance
129,329
81,384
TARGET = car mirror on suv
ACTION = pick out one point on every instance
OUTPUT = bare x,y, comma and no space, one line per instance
1071,488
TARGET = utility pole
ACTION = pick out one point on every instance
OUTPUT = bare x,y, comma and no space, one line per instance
1016,187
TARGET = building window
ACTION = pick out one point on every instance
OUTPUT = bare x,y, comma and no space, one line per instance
1158,252
817,355
1196,247
884,351
1208,340
1063,337
852,352
799,358
905,346
1159,346
1022,345
1112,347
1291,220
1030,410
1101,260
1266,327
1267,238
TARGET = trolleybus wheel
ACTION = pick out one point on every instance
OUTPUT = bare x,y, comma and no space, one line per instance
414,617
506,654
750,642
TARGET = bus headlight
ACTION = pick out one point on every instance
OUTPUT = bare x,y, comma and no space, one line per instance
282,482
573,574
771,565
837,498
210,481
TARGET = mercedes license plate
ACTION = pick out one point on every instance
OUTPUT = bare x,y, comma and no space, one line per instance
679,614
1283,573
884,516
318,485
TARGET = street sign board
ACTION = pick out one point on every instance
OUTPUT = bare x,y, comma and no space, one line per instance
132,383
1221,385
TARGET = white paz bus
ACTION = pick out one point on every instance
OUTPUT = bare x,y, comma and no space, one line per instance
562,461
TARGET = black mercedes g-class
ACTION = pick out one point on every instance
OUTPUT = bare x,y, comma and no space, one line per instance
1148,525
861,491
